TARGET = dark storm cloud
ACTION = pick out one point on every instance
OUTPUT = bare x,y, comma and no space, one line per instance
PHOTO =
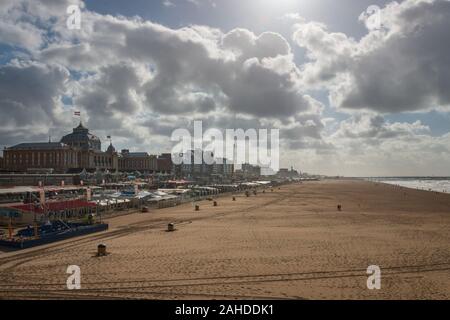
29,92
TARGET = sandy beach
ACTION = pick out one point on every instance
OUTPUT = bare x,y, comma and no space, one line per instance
287,244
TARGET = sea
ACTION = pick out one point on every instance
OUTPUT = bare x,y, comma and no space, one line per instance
441,184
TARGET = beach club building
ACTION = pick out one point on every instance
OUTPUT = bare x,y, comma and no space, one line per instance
22,204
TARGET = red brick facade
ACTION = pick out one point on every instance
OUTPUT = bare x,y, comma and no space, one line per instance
142,162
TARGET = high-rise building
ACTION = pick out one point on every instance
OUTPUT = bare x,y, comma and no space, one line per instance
199,163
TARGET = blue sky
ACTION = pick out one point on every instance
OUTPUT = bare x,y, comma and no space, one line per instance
228,14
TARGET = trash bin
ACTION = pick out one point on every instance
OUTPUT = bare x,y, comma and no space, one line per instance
170,227
101,250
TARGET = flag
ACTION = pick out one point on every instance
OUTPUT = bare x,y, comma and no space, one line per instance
77,113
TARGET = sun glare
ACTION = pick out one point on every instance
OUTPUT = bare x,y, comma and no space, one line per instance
275,4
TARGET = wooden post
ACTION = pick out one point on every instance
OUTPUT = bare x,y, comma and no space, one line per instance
36,232
10,227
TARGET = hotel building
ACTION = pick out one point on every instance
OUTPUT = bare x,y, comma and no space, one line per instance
77,151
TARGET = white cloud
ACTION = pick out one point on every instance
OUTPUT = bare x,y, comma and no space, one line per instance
402,67
138,80
129,72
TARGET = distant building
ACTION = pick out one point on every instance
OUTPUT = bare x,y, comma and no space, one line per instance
77,151
288,174
189,168
251,170
1,163
223,167
164,163
137,161
202,169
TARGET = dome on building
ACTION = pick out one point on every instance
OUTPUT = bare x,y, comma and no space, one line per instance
82,139
111,149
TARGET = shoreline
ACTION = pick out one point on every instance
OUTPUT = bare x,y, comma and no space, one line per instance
434,189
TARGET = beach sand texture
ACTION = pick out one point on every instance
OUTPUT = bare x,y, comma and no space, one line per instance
292,243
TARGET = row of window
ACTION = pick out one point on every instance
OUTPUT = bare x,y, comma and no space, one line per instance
41,158
137,164
45,159
216,168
